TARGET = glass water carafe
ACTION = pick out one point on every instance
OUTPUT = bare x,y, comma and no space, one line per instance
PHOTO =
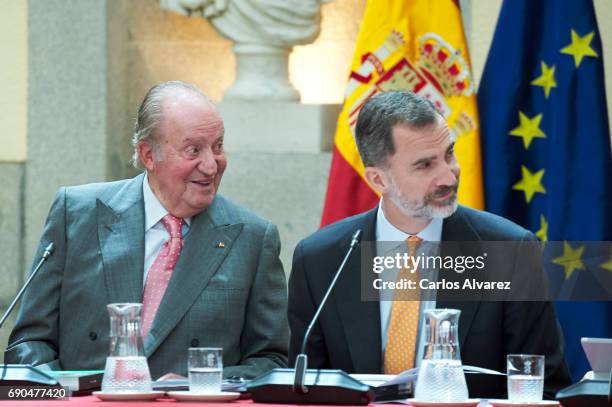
126,368
440,377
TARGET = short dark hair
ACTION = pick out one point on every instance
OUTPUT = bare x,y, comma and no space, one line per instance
380,114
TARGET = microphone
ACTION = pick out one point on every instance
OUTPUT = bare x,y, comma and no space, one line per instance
328,386
25,375
301,361
46,254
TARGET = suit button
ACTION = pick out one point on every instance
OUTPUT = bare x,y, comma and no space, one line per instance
93,336
195,343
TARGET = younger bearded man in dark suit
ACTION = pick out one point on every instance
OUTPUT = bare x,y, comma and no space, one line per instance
408,153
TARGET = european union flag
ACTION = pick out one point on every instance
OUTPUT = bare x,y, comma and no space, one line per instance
546,145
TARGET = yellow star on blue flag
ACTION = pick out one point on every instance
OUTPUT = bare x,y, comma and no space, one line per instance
546,80
528,129
542,233
530,183
571,260
580,47
607,265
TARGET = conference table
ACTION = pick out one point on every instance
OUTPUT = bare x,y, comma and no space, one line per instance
86,401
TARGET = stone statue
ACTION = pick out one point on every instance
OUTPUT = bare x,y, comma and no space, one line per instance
263,32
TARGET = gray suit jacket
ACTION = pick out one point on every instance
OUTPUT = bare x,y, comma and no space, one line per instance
232,296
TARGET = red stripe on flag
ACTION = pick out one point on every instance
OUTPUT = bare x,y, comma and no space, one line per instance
347,192
360,78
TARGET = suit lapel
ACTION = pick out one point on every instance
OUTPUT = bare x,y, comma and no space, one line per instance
360,319
121,239
200,258
457,236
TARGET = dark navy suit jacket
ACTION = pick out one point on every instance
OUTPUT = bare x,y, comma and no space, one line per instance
348,336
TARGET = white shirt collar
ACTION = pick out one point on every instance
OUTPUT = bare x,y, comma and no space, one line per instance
154,210
387,232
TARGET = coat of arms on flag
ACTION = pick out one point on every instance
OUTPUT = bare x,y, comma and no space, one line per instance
418,46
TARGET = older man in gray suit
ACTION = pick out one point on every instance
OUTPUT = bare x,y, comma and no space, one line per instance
222,283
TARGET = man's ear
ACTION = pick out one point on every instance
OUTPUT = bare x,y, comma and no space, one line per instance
146,154
377,179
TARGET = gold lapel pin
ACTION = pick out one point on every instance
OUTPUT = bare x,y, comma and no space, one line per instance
221,245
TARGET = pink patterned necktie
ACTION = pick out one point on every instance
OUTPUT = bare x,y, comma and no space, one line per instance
160,272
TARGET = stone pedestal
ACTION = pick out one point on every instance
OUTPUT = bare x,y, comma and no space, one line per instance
279,127
262,73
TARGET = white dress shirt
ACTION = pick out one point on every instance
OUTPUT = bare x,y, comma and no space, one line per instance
156,233
386,232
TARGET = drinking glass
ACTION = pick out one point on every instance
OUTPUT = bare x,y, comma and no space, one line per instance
205,370
525,377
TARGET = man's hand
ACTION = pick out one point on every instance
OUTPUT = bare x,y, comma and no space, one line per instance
172,376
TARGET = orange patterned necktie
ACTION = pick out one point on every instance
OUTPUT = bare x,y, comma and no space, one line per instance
160,272
400,349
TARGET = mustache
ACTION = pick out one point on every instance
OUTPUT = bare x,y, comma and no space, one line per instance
443,191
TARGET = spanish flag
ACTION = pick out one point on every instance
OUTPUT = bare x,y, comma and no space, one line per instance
417,45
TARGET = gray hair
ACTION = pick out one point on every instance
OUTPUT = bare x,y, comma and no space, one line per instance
150,114
380,114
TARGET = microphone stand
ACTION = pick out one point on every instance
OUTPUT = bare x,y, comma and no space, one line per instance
329,386
47,253
18,376
301,361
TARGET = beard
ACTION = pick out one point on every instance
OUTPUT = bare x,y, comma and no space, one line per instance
427,208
